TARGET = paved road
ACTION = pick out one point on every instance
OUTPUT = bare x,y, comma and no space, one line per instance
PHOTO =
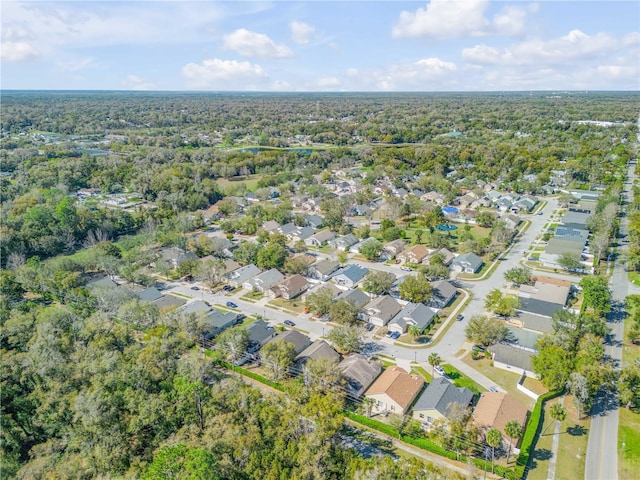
602,453
447,347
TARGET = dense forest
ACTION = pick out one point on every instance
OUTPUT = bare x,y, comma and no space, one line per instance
97,386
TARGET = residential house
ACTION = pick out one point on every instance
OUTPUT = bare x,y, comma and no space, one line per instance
297,339
289,288
467,263
317,350
434,197
175,256
412,314
363,243
525,203
288,229
150,294
536,314
350,275
344,242
447,256
264,281
511,221
323,270
547,289
229,264
558,246
300,234
577,220
466,200
241,275
394,391
512,358
359,373
168,302
271,226
439,400
380,310
443,294
216,321
355,297
314,221
319,239
360,211
260,332
391,249
415,254
335,291
495,409
504,204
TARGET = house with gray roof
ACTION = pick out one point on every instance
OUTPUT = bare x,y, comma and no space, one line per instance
355,297
323,270
512,358
344,242
443,294
242,274
380,310
317,350
447,256
260,332
195,306
299,340
350,275
175,256
216,321
439,400
314,221
168,302
573,219
318,239
360,373
412,314
150,294
271,226
289,288
264,281
287,229
572,234
467,263
538,307
392,248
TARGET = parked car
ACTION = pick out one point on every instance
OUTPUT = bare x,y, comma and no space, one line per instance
369,327
440,370
460,318
540,213
389,333
406,269
195,288
227,288
395,335
493,389
290,323
232,305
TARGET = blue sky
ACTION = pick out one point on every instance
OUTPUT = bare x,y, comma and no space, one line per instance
436,45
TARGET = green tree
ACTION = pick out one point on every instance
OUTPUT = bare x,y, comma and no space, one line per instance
378,282
519,276
371,249
180,461
507,306
246,253
629,386
277,357
557,412
416,288
494,439
494,297
485,218
596,294
322,375
513,430
415,331
570,261
320,301
272,255
485,331
579,388
346,339
553,363
434,360
343,312
233,343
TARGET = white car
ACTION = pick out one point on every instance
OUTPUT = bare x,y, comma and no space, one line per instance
440,370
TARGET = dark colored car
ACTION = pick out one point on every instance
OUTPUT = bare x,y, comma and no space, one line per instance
227,288
460,318
232,305
195,288
290,323
369,327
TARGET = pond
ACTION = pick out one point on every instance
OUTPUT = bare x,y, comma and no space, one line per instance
446,227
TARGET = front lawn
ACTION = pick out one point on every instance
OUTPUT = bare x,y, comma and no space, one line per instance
628,444
507,380
461,380
295,306
573,444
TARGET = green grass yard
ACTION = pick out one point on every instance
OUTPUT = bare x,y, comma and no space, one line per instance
628,444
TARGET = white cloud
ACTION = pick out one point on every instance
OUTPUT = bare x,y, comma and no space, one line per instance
443,19
301,32
281,86
252,44
76,65
574,46
17,51
328,82
224,75
461,18
133,82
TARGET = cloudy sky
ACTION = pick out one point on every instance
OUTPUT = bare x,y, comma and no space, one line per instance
436,45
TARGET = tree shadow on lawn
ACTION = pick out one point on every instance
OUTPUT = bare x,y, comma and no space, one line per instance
542,454
577,431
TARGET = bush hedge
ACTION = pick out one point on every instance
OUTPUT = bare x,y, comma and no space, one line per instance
253,375
371,423
533,426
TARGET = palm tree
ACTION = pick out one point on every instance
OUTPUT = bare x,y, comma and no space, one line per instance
434,360
494,439
556,412
415,331
513,430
